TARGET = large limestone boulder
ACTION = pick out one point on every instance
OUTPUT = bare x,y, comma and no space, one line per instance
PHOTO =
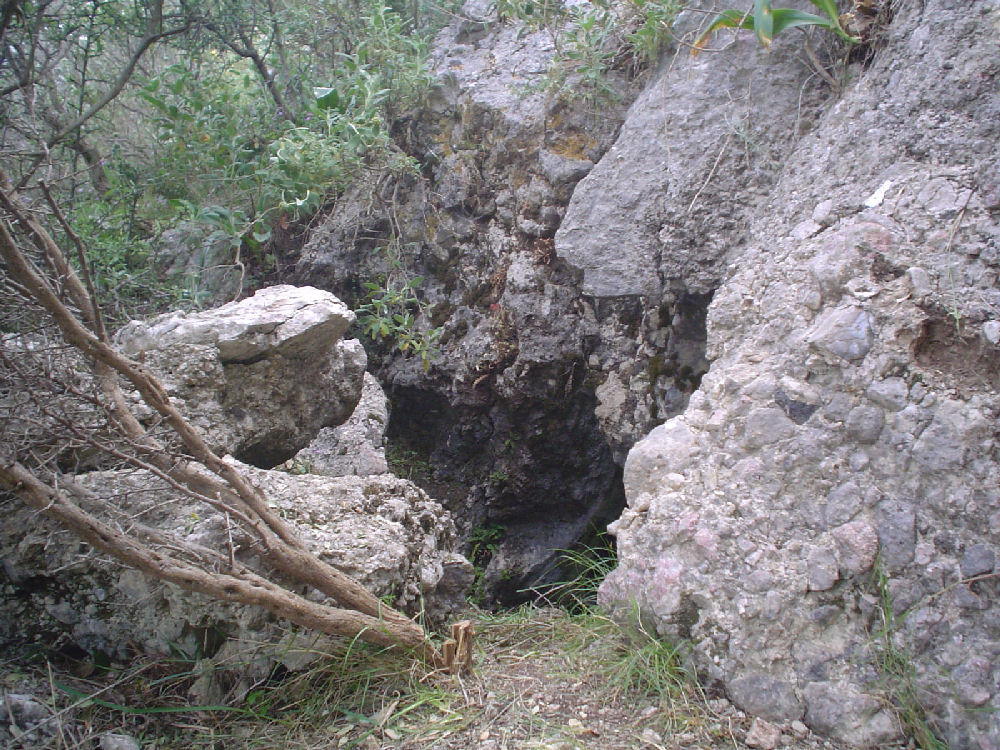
259,377
840,460
355,448
382,530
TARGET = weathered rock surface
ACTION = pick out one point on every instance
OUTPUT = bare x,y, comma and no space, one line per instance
280,353
355,448
505,414
260,377
663,207
847,427
382,530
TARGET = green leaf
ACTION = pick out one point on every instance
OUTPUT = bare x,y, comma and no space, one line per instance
763,22
829,7
786,18
327,98
767,22
728,19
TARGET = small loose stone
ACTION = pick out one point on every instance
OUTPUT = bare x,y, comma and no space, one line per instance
763,734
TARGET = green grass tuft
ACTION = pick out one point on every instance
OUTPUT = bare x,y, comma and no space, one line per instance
899,678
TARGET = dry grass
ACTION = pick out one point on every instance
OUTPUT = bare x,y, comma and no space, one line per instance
543,679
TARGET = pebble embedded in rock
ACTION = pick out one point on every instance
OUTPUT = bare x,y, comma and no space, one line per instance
972,681
842,334
897,533
842,504
890,394
766,425
767,697
24,710
919,282
991,331
857,547
979,559
823,213
864,424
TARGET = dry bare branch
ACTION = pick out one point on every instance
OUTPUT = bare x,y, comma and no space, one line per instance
92,413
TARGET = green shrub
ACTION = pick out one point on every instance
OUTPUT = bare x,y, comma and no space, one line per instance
391,308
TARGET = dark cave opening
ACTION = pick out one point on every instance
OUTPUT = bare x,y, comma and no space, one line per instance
524,481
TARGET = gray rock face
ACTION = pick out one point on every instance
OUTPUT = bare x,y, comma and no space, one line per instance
200,262
663,207
356,447
865,287
261,376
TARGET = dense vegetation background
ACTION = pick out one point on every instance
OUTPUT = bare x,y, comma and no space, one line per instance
241,116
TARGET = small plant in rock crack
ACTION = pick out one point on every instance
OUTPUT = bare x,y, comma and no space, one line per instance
585,56
534,13
483,543
391,309
408,463
498,477
581,571
897,668
766,22
601,36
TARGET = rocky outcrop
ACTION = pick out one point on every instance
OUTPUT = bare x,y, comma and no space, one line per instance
266,375
505,413
839,462
658,215
259,377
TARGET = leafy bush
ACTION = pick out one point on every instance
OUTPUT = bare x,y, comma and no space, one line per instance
216,149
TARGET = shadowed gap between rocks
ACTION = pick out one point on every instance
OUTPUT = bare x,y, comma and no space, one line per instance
523,482
529,477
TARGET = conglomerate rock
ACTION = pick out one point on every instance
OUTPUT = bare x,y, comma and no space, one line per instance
840,459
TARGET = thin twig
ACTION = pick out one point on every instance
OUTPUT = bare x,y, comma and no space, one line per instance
229,538
81,254
823,72
711,173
